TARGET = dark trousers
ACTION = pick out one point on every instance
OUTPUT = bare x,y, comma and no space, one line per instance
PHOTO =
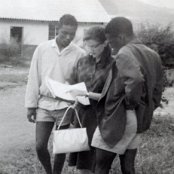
43,131
104,161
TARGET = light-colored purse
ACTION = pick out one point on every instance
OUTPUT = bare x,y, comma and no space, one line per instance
70,140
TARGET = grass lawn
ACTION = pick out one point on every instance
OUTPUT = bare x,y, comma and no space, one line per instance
155,155
157,149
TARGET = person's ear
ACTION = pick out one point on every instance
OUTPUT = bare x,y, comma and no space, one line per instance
120,37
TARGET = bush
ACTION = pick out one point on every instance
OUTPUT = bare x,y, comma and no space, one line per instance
10,52
161,39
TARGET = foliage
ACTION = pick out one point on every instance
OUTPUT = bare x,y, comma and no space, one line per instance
161,39
10,52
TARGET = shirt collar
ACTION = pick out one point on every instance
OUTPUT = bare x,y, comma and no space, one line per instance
54,45
135,41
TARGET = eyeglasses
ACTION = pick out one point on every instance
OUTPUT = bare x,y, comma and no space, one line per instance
93,46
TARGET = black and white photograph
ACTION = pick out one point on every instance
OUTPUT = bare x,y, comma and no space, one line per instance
87,87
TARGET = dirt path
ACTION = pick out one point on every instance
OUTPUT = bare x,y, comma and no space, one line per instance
15,130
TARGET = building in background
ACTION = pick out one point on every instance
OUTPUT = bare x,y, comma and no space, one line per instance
28,23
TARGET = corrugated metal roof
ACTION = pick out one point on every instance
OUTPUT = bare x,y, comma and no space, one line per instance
52,10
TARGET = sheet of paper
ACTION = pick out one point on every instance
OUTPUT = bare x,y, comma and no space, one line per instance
60,90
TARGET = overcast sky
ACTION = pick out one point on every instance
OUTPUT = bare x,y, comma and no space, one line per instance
161,3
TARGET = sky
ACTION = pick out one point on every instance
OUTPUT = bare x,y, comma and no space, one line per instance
161,3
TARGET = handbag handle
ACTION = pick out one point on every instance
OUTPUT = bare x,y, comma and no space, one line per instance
64,115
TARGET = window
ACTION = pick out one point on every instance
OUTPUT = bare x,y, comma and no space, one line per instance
16,34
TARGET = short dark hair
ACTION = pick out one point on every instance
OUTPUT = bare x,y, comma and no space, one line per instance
68,19
119,25
95,33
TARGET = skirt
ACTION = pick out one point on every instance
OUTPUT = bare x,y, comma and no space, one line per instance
130,139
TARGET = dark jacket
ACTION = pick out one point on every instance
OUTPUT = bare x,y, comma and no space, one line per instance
135,82
94,75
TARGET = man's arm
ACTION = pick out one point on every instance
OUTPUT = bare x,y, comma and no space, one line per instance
32,90
130,73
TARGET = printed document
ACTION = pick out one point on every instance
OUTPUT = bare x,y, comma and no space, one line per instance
60,90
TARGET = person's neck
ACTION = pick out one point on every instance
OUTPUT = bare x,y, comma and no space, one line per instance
129,39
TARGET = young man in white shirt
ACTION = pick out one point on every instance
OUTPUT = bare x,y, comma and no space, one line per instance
55,59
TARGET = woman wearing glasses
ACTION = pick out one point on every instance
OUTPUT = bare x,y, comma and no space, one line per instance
93,70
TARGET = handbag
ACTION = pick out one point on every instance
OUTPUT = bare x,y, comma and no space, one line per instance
70,140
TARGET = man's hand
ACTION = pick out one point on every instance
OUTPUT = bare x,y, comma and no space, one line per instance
31,115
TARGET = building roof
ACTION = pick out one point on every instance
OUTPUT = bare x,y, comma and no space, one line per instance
52,10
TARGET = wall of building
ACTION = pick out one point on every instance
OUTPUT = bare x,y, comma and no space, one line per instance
33,32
